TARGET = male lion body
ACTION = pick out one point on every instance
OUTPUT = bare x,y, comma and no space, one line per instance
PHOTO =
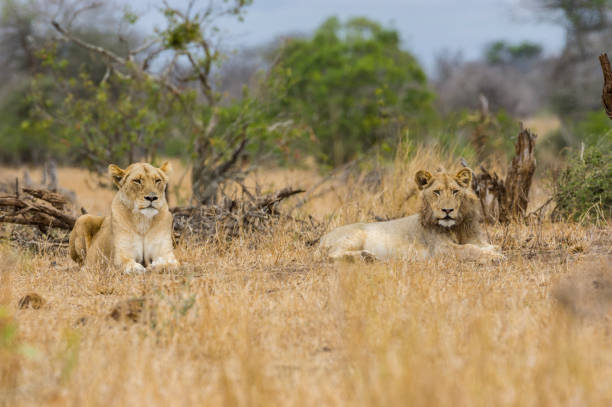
448,223
137,233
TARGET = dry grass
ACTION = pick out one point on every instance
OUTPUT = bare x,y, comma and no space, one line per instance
261,320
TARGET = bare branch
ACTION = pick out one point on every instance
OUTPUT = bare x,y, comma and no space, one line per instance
203,75
169,67
149,58
87,7
94,48
144,46
114,58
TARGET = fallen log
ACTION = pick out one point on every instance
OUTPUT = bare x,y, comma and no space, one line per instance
56,199
36,207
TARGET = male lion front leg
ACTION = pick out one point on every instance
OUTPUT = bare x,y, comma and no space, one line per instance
354,255
472,252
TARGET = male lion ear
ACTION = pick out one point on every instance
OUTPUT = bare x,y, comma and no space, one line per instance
166,167
464,177
116,174
422,179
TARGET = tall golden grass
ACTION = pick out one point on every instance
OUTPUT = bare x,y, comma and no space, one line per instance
261,320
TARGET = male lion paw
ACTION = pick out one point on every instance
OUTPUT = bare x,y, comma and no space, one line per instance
163,264
134,268
367,256
493,253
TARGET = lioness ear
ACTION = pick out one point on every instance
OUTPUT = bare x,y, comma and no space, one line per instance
116,174
464,177
422,179
166,167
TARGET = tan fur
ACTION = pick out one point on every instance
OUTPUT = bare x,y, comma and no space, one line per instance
137,235
448,223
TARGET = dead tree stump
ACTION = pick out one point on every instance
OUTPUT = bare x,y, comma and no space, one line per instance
507,200
518,181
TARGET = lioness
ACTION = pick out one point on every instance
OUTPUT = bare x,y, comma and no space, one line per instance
448,223
137,233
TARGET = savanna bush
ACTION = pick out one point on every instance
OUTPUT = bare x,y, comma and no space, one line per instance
583,190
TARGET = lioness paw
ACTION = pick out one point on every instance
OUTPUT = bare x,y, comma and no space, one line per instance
134,268
164,263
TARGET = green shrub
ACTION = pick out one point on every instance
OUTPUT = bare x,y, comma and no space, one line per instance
353,85
584,189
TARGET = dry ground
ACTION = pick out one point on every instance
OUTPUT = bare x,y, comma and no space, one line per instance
262,320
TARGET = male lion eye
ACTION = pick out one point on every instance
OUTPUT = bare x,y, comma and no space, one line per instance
437,192
455,191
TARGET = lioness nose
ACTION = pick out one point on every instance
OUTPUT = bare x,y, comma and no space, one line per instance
151,198
447,211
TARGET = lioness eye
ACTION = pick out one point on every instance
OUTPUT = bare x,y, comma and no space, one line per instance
137,181
157,181
455,191
437,192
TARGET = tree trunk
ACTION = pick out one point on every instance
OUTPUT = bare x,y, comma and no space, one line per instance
207,176
606,93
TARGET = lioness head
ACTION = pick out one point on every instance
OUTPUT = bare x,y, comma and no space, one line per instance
142,187
447,199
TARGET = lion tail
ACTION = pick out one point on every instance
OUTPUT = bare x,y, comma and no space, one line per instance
82,234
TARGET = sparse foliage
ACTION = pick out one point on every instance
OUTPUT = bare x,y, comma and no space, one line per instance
98,121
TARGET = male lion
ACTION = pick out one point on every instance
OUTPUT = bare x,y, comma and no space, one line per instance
448,223
137,233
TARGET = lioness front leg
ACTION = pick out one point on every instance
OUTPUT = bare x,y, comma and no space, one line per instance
127,254
160,254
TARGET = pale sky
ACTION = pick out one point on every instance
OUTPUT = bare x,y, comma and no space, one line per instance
427,27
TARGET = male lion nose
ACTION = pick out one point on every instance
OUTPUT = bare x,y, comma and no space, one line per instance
151,198
447,211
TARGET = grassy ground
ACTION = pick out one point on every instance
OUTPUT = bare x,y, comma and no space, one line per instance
262,320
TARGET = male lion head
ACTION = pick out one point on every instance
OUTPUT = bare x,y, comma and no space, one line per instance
142,187
447,200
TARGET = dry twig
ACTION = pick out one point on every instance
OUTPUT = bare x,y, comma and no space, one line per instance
232,216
